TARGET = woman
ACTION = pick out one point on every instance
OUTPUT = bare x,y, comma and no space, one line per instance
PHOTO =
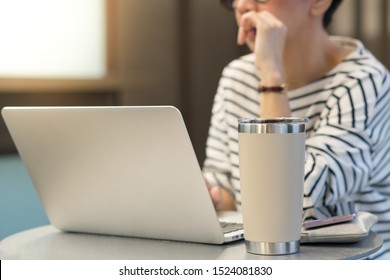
297,69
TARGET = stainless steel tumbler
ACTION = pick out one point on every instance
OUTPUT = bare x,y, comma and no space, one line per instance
271,159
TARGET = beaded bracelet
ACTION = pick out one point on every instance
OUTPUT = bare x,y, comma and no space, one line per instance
277,89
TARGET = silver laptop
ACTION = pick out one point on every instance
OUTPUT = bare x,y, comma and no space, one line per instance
128,171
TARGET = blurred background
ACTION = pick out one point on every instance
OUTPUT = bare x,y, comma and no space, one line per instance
128,52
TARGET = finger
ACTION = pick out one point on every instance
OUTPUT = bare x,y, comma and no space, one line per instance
216,196
246,27
241,36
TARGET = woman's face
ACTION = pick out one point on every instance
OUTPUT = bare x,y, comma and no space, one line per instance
293,13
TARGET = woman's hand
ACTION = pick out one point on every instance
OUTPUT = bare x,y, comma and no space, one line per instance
222,200
266,36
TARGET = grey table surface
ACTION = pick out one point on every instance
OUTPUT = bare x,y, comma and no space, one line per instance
46,243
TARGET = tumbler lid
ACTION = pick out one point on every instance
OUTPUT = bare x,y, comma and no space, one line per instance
276,125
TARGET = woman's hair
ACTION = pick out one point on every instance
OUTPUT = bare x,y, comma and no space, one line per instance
329,13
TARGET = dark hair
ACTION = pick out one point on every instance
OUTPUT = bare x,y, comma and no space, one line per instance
327,16
329,13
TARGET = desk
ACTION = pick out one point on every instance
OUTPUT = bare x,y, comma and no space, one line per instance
49,243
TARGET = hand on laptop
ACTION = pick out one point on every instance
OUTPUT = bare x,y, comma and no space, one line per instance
222,199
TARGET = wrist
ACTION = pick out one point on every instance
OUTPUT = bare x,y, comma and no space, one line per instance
271,75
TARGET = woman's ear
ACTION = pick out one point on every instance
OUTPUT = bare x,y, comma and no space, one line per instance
319,7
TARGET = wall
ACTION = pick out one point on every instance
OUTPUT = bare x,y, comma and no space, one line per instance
209,43
368,21
143,65
148,51
173,51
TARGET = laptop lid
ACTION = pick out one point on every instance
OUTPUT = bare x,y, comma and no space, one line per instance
128,171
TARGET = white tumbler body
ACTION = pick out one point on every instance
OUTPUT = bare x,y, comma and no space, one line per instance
271,179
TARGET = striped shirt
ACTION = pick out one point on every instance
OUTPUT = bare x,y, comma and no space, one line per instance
347,136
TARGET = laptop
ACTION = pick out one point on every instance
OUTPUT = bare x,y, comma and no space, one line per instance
120,170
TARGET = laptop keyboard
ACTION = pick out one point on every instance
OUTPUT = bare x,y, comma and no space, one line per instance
230,227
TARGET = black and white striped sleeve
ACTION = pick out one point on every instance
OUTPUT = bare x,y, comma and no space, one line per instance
217,167
339,151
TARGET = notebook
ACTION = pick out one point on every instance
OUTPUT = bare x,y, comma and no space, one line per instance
121,170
